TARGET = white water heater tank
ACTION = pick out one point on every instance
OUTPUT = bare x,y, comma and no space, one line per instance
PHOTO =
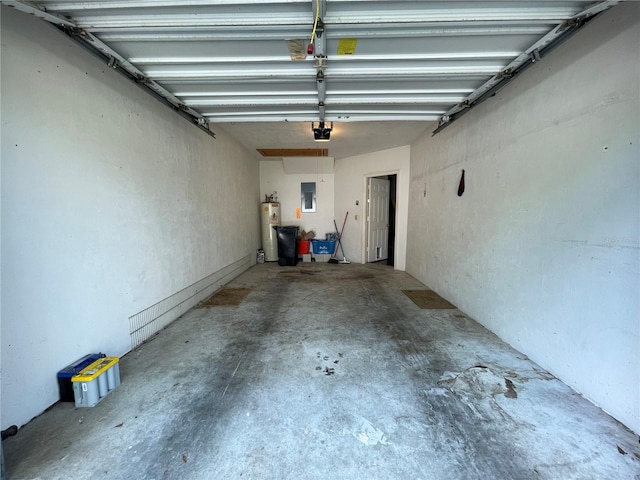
269,218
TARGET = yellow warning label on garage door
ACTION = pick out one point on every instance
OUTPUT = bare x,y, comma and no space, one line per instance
347,46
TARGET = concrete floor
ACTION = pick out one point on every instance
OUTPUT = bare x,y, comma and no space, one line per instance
243,392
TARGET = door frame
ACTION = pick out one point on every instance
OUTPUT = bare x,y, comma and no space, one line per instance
365,223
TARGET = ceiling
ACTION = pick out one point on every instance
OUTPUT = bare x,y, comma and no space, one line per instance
383,71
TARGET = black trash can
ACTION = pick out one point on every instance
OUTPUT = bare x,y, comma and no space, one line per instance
287,245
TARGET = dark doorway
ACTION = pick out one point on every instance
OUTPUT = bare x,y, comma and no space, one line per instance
392,218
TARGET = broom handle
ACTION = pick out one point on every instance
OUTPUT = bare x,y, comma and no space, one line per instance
340,237
335,249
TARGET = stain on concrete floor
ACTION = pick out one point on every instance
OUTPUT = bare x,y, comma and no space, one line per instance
419,394
226,297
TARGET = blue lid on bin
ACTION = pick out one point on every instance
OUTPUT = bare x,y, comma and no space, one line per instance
79,364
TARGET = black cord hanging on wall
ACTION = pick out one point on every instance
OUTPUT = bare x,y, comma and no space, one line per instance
461,186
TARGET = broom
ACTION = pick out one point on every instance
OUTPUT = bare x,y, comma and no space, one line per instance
344,259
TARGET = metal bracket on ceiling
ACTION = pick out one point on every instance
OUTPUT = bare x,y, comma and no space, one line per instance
76,31
319,28
535,56
321,62
318,9
507,73
321,86
113,62
321,111
141,79
572,23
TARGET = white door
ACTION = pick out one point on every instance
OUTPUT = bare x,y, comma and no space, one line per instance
377,219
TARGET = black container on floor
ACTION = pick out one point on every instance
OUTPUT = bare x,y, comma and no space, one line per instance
287,245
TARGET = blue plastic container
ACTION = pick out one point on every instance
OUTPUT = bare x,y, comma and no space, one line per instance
323,246
64,376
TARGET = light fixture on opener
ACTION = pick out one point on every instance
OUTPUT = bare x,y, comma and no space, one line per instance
321,133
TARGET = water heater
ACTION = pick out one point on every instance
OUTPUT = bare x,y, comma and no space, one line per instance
270,217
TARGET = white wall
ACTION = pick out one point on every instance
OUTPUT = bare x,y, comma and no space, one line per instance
543,247
351,174
110,203
273,178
